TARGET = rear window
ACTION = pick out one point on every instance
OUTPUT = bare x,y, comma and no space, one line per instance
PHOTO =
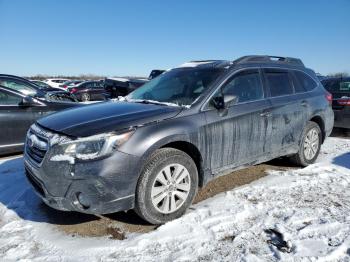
305,81
337,86
344,86
278,82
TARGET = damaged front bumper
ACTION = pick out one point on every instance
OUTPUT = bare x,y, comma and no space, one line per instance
95,187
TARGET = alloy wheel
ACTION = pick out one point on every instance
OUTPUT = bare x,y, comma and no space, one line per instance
85,97
171,188
311,144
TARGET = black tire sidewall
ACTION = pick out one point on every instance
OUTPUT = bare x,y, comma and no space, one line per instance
161,159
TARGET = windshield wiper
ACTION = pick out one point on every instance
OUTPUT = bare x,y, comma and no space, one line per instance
145,101
153,102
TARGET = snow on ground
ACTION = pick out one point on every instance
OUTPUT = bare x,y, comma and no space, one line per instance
309,207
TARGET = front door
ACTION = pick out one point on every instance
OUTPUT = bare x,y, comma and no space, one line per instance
14,120
241,135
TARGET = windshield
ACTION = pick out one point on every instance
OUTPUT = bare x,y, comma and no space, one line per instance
179,86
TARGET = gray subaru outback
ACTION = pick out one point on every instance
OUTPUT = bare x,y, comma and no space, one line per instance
152,150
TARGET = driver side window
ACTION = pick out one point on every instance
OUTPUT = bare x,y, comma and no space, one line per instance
245,85
9,99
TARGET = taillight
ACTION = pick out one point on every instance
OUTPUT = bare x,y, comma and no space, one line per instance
329,98
344,101
73,90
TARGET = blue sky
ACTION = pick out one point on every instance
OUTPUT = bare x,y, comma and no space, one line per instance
132,37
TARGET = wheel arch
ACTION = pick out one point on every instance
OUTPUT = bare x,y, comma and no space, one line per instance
191,150
320,122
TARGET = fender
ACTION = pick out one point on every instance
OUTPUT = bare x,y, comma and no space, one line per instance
147,139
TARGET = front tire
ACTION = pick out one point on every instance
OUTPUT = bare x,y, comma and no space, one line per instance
310,145
167,186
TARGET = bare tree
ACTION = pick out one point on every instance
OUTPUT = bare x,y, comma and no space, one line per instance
339,74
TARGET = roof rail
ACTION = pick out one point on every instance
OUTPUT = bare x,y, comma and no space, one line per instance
269,59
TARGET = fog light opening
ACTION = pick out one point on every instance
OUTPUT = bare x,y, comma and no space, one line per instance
82,200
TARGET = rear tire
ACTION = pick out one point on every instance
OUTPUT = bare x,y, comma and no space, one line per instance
167,186
85,97
310,145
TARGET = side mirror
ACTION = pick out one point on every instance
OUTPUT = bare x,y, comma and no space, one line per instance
27,101
230,100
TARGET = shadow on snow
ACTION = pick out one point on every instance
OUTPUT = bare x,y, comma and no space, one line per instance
342,160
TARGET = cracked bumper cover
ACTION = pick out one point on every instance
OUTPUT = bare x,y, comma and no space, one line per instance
107,185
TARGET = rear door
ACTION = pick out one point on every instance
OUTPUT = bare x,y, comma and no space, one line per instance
240,136
289,110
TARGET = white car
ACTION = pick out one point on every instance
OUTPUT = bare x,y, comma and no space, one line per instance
56,82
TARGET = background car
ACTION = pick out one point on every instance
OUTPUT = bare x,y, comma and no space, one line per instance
55,82
122,86
89,91
154,73
17,112
339,87
27,87
43,85
69,83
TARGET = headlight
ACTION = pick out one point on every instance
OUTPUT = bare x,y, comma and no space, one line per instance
95,146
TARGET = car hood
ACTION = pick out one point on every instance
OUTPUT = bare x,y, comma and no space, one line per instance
106,117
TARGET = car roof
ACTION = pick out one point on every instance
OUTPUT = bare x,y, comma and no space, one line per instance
13,76
19,78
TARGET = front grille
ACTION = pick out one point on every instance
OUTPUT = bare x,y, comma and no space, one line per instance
35,183
36,146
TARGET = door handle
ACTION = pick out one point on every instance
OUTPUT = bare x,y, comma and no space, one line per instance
266,114
304,103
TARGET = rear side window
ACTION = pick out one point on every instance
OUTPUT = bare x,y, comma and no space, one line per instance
279,82
344,86
305,81
298,87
